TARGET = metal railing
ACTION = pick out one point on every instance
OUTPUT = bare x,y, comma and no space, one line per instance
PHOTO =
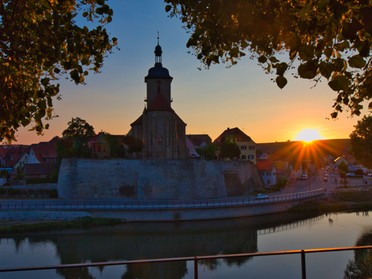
195,259
117,204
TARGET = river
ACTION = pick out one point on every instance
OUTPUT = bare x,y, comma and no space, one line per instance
159,240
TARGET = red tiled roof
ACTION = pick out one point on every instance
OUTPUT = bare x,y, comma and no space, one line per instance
45,150
11,154
264,165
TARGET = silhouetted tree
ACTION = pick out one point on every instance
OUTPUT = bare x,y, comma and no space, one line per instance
78,127
40,42
361,141
208,152
361,266
75,139
229,150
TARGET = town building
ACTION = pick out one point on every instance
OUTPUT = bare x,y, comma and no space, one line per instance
40,162
161,130
100,145
267,172
197,142
246,145
21,162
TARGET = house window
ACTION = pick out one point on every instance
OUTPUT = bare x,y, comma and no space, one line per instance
243,157
252,147
243,147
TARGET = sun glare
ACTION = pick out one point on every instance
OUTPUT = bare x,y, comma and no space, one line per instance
308,135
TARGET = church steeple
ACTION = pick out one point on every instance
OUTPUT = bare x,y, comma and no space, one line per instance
158,53
158,83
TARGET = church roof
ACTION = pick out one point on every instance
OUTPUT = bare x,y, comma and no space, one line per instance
158,71
138,122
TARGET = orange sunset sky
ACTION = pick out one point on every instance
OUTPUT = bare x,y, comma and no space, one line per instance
208,100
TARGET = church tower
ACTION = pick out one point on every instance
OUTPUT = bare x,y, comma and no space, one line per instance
158,80
161,130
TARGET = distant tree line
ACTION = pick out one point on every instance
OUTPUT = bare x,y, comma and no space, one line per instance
75,142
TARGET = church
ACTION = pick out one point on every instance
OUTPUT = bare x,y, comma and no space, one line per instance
161,130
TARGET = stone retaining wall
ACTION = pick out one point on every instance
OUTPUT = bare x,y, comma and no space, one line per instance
156,179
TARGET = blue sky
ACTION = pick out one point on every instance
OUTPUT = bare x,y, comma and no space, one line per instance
208,100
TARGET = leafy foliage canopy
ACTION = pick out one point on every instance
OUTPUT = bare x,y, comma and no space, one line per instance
361,141
324,39
41,41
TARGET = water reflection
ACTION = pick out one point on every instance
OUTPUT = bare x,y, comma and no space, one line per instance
160,240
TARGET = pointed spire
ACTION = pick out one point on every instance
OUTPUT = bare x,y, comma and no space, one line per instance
158,52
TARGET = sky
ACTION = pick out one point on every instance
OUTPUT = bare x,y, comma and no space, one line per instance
208,100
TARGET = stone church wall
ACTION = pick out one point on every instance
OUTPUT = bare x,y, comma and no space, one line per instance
156,179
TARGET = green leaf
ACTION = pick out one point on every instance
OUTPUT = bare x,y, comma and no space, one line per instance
338,64
342,46
45,81
292,54
281,68
168,8
357,61
75,76
328,52
262,59
273,59
308,69
306,52
339,83
281,81
325,69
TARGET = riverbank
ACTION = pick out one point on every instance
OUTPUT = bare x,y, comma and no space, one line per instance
151,210
342,200
7,227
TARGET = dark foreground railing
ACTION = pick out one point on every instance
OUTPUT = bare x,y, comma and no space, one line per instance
195,259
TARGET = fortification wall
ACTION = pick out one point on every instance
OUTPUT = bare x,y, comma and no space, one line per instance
156,179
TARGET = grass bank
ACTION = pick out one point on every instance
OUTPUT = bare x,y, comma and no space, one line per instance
81,223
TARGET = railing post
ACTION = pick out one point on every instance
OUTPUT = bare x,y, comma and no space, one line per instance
303,264
195,268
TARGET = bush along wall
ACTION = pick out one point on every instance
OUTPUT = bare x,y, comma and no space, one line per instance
6,192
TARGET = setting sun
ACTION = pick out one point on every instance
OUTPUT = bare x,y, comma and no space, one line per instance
308,135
